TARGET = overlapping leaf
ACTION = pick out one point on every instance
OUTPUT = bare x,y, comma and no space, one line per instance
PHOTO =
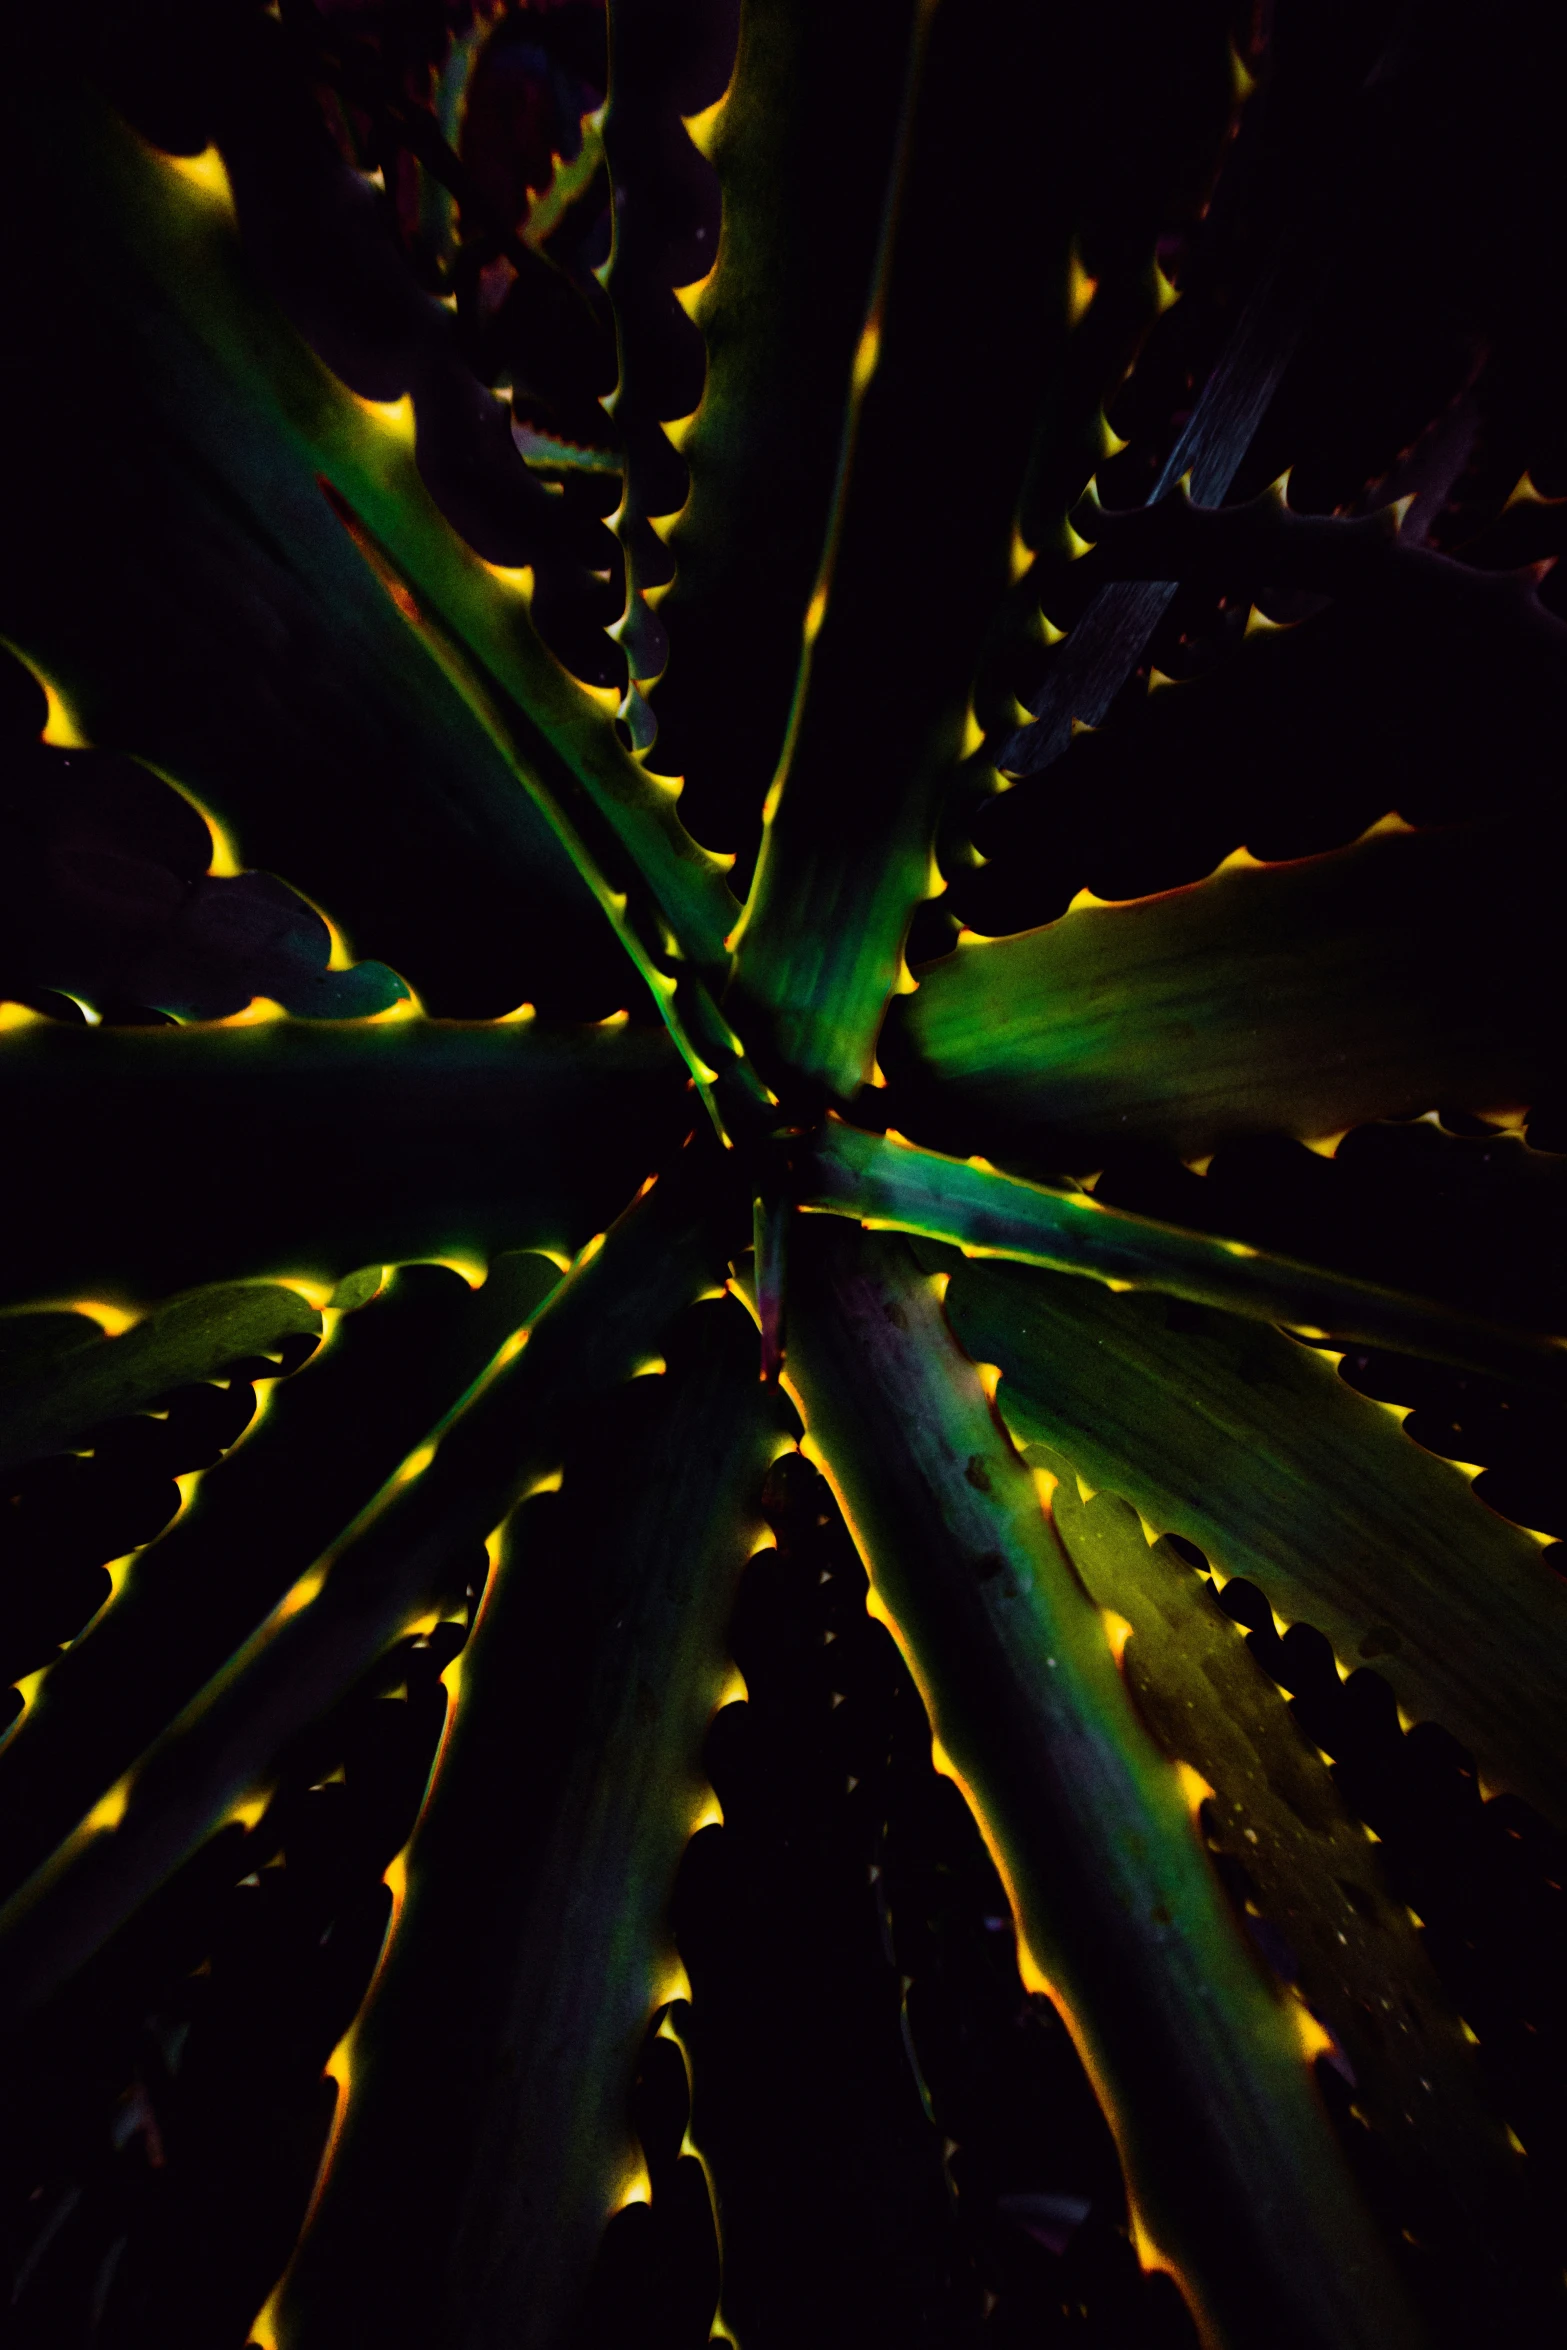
1245,1442
221,366
378,1576
1232,2168
781,313
518,2005
306,1147
255,1524
882,710
884,1180
60,1374
1277,1817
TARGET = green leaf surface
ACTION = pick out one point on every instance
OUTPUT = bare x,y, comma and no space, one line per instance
195,570
95,1378
224,369
321,1448
1249,1445
813,108
682,994
376,1579
524,2025
882,706
1231,2164
152,1159
884,1180
1305,998
1277,1816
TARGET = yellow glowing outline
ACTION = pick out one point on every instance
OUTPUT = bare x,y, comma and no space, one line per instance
1150,2254
61,729
206,172
395,417
1080,289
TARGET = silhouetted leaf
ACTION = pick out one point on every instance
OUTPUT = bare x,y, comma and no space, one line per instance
302,1147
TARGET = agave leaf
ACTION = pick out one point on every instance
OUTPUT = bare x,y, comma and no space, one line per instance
221,581
1276,1813
1384,1208
1311,210
781,314
1231,2165
318,1144
1105,646
181,277
663,66
94,1377
884,1180
326,1443
1490,618
1248,1444
1302,998
882,707
517,1991
450,1494
683,997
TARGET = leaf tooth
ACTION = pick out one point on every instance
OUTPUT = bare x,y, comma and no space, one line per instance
517,577
705,128
693,297
1524,493
866,357
206,172
1118,1631
1080,288
395,417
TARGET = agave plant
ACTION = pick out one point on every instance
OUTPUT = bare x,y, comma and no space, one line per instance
947,1057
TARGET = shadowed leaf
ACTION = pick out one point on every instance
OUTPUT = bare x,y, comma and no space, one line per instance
398,1140
884,1180
377,1579
1247,1443
208,340
881,716
326,1444
525,2028
1277,1815
780,317
1230,2162
96,1378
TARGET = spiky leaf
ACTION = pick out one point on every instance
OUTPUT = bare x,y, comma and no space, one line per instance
1229,2158
1247,1443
